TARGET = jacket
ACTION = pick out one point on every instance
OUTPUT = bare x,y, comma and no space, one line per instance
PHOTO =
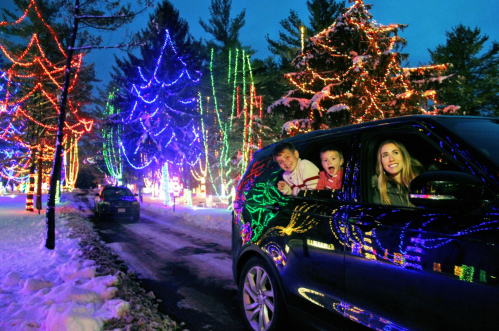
304,177
398,194
328,182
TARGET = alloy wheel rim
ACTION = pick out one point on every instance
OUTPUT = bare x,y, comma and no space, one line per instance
258,299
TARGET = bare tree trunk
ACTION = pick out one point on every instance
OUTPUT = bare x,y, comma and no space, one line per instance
56,166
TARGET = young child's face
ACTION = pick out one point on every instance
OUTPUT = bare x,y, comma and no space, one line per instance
331,162
287,160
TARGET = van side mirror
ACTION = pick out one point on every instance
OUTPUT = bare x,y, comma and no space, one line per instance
448,190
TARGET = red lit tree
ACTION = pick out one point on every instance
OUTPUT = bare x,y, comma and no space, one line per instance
35,78
351,72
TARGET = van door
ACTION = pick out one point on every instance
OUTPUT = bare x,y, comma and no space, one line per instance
416,268
316,239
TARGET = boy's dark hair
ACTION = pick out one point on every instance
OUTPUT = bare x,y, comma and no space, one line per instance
331,148
281,147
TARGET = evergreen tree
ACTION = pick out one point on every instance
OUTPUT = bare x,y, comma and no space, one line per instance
289,42
34,46
230,101
288,45
223,28
351,73
323,13
155,98
473,83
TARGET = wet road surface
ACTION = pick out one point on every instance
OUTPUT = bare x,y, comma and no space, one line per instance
188,270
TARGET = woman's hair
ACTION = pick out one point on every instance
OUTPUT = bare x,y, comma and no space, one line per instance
411,168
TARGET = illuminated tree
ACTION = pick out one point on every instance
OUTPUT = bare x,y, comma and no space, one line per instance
157,100
112,140
35,79
351,72
160,122
233,129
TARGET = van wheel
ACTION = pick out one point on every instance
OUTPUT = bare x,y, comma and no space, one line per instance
259,298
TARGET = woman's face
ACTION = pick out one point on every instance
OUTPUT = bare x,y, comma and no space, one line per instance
392,160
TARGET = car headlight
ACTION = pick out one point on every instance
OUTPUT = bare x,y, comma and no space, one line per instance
135,203
106,203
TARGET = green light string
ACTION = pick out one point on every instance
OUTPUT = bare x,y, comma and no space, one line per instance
234,92
111,151
230,55
224,135
206,144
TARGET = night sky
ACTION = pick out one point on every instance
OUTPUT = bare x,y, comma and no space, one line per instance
428,21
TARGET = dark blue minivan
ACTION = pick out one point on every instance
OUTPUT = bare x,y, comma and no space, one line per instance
342,260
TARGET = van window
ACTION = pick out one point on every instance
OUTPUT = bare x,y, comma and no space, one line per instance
332,157
424,154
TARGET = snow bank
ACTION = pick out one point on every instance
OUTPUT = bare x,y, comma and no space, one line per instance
212,220
54,290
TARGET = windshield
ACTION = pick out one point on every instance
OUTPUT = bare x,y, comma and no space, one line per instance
483,134
117,192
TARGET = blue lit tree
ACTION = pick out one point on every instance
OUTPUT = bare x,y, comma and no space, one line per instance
157,97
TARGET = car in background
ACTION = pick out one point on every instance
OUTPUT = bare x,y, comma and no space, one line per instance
116,201
337,259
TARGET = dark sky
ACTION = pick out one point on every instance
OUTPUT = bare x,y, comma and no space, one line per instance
427,19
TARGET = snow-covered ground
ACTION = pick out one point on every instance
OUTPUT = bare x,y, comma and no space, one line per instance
213,220
42,289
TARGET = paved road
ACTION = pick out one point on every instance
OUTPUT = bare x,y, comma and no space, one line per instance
188,270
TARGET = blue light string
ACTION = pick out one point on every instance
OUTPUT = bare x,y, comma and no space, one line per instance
132,165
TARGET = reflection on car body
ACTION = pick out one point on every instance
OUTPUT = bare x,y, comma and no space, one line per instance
340,257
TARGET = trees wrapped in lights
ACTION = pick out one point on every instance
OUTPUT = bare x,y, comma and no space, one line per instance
34,81
157,100
232,127
351,72
112,139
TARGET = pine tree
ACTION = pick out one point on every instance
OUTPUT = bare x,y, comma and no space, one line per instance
350,73
272,82
229,101
473,83
37,71
156,95
323,13
223,28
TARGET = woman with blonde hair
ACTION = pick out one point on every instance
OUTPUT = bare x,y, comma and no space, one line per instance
395,169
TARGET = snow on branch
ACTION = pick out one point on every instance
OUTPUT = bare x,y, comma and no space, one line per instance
297,124
287,99
337,108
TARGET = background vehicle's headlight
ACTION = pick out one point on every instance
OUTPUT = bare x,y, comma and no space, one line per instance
106,203
135,203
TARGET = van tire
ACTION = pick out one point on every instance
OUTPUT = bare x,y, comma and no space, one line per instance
261,303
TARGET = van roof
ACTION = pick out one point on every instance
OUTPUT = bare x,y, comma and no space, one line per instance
431,119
